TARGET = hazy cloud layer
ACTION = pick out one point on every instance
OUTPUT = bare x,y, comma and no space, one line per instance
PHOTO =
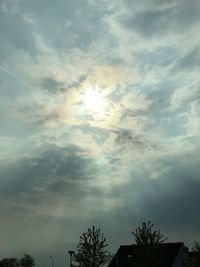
99,111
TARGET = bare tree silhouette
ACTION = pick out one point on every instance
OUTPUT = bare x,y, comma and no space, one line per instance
91,249
145,235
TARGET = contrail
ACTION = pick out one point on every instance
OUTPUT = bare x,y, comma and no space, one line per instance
15,76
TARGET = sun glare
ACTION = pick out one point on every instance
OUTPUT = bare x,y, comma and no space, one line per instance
93,100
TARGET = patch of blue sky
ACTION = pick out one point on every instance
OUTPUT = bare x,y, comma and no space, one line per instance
11,84
162,56
159,90
65,24
167,125
15,33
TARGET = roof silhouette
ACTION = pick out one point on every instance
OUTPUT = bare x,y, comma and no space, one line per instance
130,253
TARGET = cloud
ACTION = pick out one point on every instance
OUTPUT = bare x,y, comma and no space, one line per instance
51,185
10,6
65,166
185,95
136,102
189,61
126,137
157,18
192,125
15,34
179,203
174,195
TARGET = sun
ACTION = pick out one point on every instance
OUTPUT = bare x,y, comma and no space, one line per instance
94,101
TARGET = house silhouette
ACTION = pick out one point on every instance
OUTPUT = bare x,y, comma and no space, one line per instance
159,255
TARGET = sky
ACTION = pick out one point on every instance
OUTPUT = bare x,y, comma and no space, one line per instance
99,122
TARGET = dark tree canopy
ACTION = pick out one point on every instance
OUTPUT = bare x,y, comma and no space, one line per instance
91,249
27,261
194,258
9,262
148,252
145,235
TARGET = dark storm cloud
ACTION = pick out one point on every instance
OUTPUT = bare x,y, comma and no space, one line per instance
161,17
55,169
